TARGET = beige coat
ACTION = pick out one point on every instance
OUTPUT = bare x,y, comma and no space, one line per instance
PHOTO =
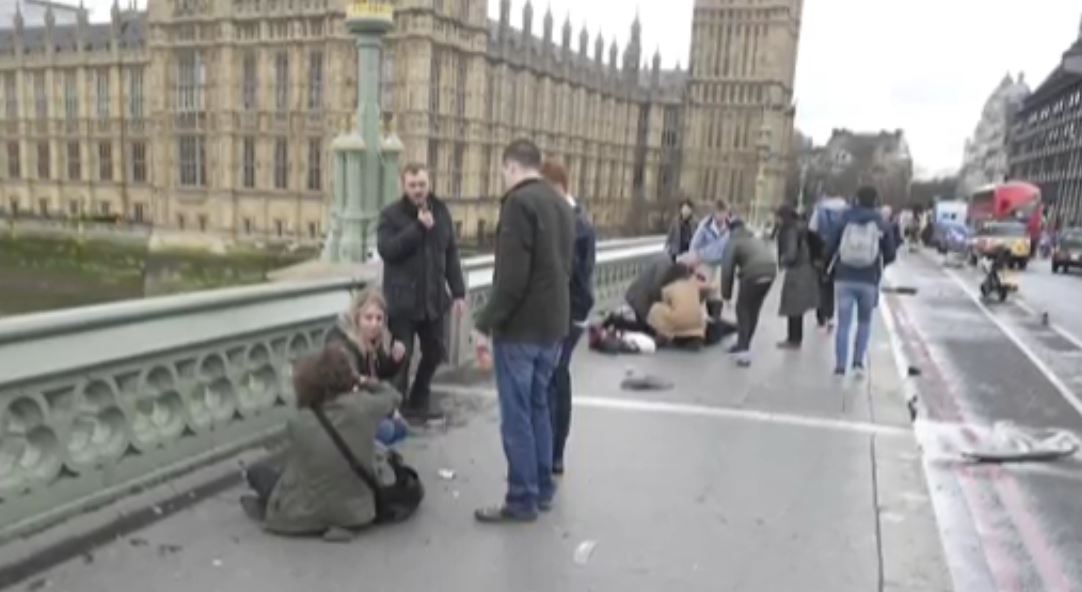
318,490
680,312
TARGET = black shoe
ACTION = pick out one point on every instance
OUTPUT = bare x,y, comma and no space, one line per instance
422,416
503,515
253,508
738,349
557,468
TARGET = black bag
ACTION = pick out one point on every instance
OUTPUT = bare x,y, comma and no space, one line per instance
394,503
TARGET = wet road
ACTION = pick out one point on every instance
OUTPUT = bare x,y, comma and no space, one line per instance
986,371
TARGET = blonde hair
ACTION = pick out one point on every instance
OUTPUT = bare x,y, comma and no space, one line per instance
364,299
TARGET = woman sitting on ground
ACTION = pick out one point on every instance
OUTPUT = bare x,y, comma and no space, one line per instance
319,492
362,333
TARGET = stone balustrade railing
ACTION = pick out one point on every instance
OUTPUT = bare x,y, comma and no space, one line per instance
98,401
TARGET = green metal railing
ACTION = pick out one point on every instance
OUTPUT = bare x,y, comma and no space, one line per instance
97,402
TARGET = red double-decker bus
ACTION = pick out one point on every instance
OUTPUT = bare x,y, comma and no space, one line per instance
1014,201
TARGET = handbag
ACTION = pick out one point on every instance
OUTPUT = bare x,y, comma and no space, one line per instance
394,503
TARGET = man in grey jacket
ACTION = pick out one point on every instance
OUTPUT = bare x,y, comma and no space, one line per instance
752,261
527,317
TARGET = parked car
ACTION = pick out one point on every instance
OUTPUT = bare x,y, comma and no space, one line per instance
1068,253
995,236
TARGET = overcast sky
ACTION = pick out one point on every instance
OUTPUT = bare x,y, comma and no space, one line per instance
925,66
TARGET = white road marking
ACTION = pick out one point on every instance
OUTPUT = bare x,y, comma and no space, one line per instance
1065,391
667,408
1054,327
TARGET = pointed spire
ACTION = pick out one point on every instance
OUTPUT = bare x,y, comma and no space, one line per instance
614,52
584,41
50,18
527,19
548,26
18,19
599,48
115,13
567,33
657,58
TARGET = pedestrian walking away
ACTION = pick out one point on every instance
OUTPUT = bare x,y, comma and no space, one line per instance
582,301
862,250
522,325
825,223
800,287
749,260
422,279
682,230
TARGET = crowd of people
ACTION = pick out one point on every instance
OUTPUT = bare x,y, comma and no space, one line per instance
355,397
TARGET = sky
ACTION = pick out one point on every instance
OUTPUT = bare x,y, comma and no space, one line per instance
924,66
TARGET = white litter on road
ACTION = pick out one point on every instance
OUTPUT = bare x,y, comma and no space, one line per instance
584,551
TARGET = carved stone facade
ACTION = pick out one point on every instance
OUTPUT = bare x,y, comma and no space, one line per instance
851,159
985,160
1046,138
740,110
217,117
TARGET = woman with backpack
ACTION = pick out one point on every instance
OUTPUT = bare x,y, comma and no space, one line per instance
864,247
800,288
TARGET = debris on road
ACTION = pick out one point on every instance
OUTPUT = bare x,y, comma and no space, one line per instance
914,371
217,563
446,474
900,290
584,551
1009,443
640,381
166,550
138,542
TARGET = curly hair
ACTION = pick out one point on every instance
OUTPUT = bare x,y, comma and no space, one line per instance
323,376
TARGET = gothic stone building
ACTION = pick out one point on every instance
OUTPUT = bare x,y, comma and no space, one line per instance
1046,138
216,116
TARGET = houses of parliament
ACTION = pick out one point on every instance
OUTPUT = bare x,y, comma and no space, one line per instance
216,116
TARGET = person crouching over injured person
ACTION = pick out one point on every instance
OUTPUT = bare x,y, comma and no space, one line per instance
679,317
337,479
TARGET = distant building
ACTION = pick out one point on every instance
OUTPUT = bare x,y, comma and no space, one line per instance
850,160
217,116
985,159
34,12
1046,138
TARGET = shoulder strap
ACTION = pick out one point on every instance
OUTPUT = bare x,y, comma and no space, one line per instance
343,448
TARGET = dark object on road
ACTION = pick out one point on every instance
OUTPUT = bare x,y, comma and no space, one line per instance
1044,319
914,371
901,290
1048,455
636,381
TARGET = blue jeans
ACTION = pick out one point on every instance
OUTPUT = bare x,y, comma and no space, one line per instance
560,395
391,431
523,375
864,298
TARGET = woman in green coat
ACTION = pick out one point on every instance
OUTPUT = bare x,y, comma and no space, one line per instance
317,492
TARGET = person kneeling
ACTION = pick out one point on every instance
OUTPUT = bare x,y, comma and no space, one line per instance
337,479
679,317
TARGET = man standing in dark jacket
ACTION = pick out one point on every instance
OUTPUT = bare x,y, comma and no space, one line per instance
420,262
582,300
527,318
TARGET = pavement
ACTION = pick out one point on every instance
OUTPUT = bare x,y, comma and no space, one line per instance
778,477
986,371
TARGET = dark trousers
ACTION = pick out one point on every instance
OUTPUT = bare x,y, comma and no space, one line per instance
560,396
262,479
825,313
430,335
796,330
749,303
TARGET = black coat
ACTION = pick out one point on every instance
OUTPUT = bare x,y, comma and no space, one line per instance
421,268
582,272
530,301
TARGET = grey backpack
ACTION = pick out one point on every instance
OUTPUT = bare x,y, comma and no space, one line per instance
859,246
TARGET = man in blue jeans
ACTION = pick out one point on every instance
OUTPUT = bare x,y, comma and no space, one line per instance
860,251
527,317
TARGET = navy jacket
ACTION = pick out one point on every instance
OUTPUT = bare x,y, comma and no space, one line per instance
582,268
888,249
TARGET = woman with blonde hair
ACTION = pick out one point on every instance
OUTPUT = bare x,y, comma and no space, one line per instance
362,331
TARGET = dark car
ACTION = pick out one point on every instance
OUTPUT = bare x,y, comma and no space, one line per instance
1068,253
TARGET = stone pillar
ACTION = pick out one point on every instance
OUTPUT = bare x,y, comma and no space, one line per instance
361,172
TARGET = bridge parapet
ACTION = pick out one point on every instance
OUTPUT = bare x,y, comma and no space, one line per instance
96,402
